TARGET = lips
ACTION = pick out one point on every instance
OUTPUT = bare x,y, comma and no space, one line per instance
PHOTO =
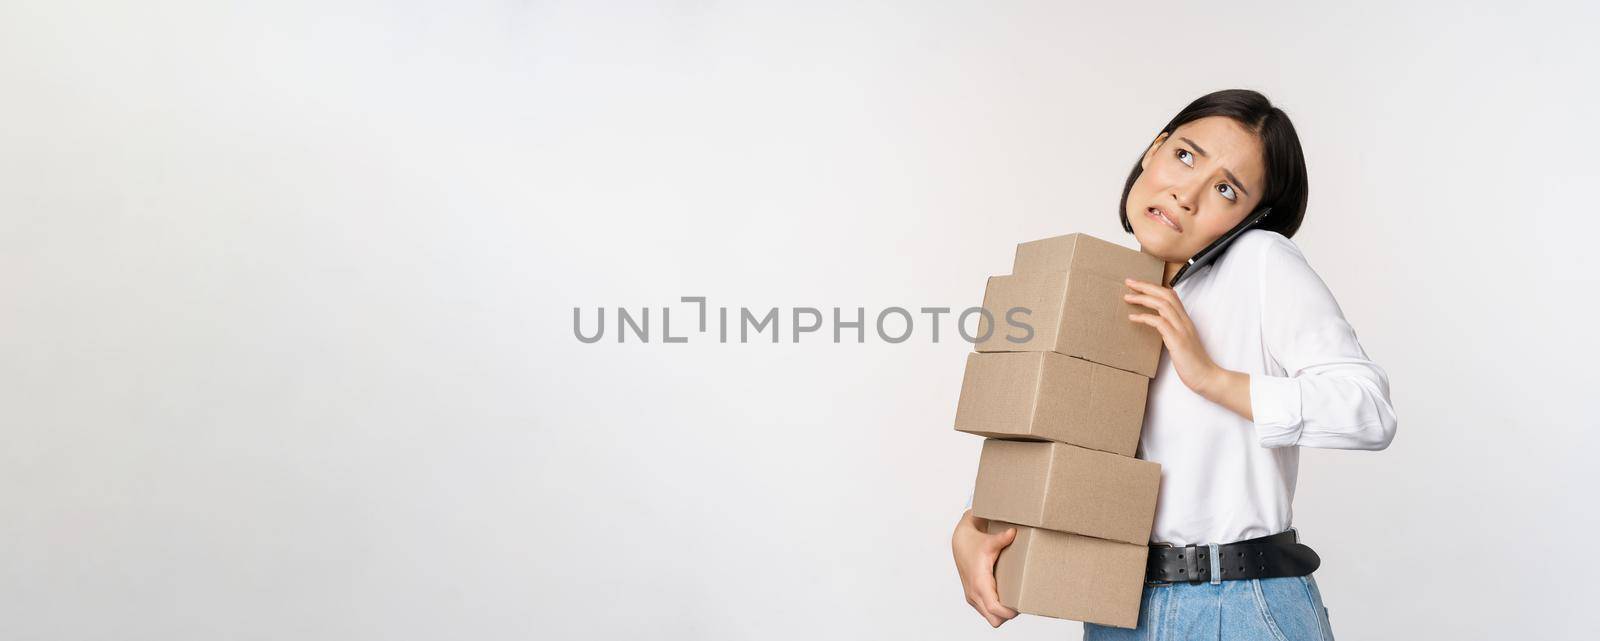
1161,215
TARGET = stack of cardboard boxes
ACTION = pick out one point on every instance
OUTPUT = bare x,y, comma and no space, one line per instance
1061,403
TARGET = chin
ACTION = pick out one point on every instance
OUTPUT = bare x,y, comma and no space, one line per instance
1158,242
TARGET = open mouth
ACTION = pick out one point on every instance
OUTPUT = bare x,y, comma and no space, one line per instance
1157,214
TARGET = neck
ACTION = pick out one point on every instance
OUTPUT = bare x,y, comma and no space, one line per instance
1172,269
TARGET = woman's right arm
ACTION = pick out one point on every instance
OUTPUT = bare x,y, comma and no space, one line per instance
976,551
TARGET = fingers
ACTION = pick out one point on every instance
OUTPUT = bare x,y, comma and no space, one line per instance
997,542
1157,322
1149,288
1165,304
1000,612
1166,295
978,604
981,604
990,598
981,592
984,584
1160,305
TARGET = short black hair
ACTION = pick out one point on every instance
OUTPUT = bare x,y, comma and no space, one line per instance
1285,163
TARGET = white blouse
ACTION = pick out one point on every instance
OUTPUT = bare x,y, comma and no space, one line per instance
1259,309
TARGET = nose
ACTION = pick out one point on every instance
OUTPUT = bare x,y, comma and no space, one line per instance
1186,195
1183,201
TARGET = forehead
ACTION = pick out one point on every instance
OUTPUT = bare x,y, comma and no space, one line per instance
1227,143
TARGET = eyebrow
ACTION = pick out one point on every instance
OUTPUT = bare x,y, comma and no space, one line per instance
1201,150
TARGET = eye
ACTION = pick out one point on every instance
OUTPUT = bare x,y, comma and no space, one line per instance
1186,157
1227,191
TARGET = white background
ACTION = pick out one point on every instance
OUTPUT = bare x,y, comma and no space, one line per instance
286,300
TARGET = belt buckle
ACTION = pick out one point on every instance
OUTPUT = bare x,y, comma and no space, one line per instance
1159,583
1191,563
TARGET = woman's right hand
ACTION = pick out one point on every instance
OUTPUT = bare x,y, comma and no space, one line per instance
976,551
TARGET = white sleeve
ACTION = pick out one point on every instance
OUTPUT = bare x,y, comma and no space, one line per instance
1333,396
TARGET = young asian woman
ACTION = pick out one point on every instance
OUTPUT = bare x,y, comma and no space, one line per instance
1258,362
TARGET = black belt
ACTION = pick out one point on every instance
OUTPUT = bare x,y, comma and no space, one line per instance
1267,557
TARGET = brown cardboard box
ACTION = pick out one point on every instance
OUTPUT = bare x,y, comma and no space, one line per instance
1048,396
1082,252
1077,313
1070,576
1073,286
1067,488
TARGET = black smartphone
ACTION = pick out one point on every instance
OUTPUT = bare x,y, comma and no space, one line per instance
1215,249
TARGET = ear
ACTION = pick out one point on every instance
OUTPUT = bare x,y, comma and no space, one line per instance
1144,163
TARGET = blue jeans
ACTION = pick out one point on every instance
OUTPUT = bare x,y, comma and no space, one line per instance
1280,609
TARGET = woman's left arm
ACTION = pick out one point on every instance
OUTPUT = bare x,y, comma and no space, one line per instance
1334,396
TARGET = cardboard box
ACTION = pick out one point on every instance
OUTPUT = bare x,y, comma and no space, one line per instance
1048,396
1077,313
1070,576
1067,488
1082,252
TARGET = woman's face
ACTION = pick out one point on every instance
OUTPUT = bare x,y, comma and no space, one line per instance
1205,177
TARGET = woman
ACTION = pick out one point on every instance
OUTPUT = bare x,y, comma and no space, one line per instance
1259,361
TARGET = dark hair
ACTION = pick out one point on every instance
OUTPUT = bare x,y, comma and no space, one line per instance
1285,164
